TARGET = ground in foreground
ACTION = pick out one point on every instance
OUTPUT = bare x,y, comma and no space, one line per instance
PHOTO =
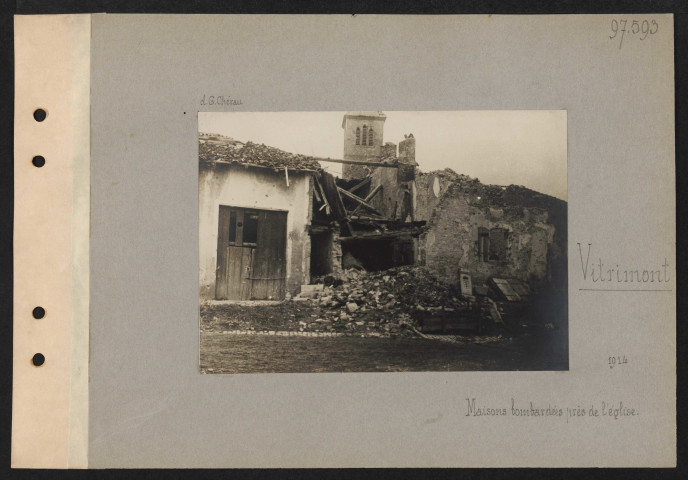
231,353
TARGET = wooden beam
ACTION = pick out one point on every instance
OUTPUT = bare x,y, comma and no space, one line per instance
340,202
357,162
370,196
360,184
315,229
357,199
331,192
316,194
381,236
386,221
325,205
349,228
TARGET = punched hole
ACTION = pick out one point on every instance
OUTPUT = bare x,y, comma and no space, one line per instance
38,313
39,114
38,359
38,161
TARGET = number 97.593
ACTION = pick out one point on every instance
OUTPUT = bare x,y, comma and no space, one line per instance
640,28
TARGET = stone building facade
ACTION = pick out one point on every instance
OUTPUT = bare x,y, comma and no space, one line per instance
490,230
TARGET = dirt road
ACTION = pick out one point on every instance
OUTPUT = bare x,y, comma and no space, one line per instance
231,353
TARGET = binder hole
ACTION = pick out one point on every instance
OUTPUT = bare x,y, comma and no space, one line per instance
38,313
38,161
39,114
38,359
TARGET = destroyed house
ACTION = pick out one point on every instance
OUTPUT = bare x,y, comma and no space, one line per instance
269,220
490,231
272,221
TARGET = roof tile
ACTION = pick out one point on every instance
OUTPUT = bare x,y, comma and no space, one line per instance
217,148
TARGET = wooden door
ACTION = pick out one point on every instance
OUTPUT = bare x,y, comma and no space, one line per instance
251,248
239,273
269,259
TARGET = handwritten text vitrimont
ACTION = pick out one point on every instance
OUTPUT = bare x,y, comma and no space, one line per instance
598,271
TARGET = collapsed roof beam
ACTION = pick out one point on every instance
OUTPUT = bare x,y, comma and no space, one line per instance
326,204
382,236
330,192
358,162
357,199
367,199
360,184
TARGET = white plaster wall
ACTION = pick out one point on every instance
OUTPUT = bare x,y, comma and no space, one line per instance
260,188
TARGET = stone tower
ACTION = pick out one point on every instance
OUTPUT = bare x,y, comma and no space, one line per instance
363,141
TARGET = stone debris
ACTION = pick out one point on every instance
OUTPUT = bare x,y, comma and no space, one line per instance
402,301
388,302
401,287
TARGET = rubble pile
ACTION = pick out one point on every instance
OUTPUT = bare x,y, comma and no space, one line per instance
389,302
404,301
498,195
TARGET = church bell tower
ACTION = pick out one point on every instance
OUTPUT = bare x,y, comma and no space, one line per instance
363,140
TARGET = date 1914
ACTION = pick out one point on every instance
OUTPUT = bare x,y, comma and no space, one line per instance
618,360
642,29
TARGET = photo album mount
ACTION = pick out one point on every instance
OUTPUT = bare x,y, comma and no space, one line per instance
344,241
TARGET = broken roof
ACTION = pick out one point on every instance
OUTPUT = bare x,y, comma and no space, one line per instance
499,195
213,149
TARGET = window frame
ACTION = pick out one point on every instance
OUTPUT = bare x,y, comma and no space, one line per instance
486,242
239,215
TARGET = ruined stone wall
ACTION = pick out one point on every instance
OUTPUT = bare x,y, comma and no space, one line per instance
407,150
386,201
395,200
427,191
535,227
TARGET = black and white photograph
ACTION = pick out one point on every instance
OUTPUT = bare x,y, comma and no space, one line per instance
360,240
371,241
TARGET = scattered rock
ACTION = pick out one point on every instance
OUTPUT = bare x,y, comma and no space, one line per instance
351,307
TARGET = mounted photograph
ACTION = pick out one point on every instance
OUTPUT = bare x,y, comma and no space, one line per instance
370,241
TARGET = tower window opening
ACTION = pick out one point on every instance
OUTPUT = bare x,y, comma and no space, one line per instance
358,135
370,137
365,135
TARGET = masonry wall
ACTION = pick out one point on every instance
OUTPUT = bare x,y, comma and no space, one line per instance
395,200
428,188
259,188
457,208
361,152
